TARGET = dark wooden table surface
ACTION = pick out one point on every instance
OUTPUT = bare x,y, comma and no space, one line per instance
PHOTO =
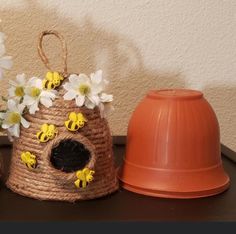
122,205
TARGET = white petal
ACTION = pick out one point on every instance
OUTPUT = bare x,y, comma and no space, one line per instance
89,104
80,100
74,79
11,131
83,78
6,125
71,94
32,81
46,102
35,82
11,104
68,86
34,107
15,130
20,78
2,115
39,83
6,62
28,100
96,77
48,94
21,108
25,123
106,97
94,99
11,92
97,88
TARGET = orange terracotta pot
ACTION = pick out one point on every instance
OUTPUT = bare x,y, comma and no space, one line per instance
173,147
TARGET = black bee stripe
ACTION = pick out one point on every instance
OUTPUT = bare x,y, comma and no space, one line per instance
81,184
70,124
46,84
76,126
45,138
40,134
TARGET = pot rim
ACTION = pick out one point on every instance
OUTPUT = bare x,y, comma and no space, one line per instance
175,94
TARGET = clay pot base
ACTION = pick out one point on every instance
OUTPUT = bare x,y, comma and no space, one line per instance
177,195
169,183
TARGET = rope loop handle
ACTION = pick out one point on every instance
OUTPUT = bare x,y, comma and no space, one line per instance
42,54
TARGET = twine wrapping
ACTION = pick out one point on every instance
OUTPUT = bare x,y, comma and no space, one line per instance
43,56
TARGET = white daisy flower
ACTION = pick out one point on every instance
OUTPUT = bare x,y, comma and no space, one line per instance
35,94
5,61
98,82
79,88
17,90
12,118
87,91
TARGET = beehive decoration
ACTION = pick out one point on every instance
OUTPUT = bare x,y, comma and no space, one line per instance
65,152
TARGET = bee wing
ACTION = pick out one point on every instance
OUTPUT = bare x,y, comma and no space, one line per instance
80,175
86,171
61,77
27,157
80,116
52,128
56,76
92,172
44,128
32,156
23,157
49,76
73,116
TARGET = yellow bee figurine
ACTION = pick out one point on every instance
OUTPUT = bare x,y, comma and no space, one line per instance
52,80
84,176
75,122
48,132
29,160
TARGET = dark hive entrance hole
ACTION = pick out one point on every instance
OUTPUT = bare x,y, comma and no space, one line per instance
69,156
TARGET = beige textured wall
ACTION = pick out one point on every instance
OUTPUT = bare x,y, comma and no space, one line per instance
140,44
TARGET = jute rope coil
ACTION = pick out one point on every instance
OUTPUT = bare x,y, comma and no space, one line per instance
46,182
43,56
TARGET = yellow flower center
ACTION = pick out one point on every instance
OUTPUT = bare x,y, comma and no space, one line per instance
35,92
84,89
14,118
19,92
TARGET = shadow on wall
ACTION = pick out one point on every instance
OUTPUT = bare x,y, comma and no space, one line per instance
90,47
223,100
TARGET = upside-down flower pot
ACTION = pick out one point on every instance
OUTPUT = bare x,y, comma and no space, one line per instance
173,147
